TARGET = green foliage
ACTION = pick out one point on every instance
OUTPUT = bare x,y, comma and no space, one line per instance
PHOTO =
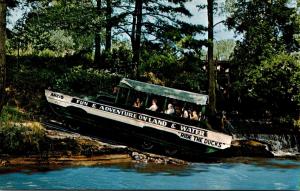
263,72
297,123
65,28
87,81
69,27
12,114
61,41
19,139
29,76
276,82
184,72
45,53
160,63
120,57
28,85
268,27
18,136
164,22
223,49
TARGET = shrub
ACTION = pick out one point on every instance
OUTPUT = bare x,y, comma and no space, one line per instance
86,81
21,138
274,85
18,136
12,114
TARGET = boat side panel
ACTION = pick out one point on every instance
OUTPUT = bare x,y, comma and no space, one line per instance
190,133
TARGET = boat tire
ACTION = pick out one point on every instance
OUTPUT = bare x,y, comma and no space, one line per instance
75,128
72,126
171,151
147,145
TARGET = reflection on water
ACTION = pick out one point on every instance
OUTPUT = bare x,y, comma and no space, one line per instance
233,173
155,169
267,163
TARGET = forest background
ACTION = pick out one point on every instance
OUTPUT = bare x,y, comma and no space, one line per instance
84,46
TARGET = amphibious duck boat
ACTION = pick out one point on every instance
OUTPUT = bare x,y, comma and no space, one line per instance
118,110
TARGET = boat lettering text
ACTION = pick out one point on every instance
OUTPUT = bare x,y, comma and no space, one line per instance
207,141
153,120
173,126
186,136
192,130
81,102
57,95
202,140
118,111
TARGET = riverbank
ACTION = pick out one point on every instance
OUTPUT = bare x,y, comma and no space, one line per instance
62,149
28,143
72,149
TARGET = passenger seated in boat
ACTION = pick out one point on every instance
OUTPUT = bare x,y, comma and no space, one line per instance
137,103
177,111
170,110
115,91
200,116
194,116
185,113
154,106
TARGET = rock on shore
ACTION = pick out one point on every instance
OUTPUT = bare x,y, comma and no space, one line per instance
247,148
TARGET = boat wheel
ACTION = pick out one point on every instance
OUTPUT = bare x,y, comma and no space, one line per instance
147,145
72,127
171,151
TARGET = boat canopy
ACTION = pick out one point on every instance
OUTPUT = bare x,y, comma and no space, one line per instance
191,97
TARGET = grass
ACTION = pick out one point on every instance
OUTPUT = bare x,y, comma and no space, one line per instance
19,135
13,114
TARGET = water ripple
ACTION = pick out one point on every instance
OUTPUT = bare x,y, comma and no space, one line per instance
266,174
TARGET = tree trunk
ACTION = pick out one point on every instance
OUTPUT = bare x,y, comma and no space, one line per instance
133,28
108,26
136,36
211,65
97,58
2,53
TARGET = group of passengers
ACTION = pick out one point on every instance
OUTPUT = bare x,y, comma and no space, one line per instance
184,113
191,114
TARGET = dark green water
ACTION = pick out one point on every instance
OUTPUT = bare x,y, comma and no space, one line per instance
238,173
